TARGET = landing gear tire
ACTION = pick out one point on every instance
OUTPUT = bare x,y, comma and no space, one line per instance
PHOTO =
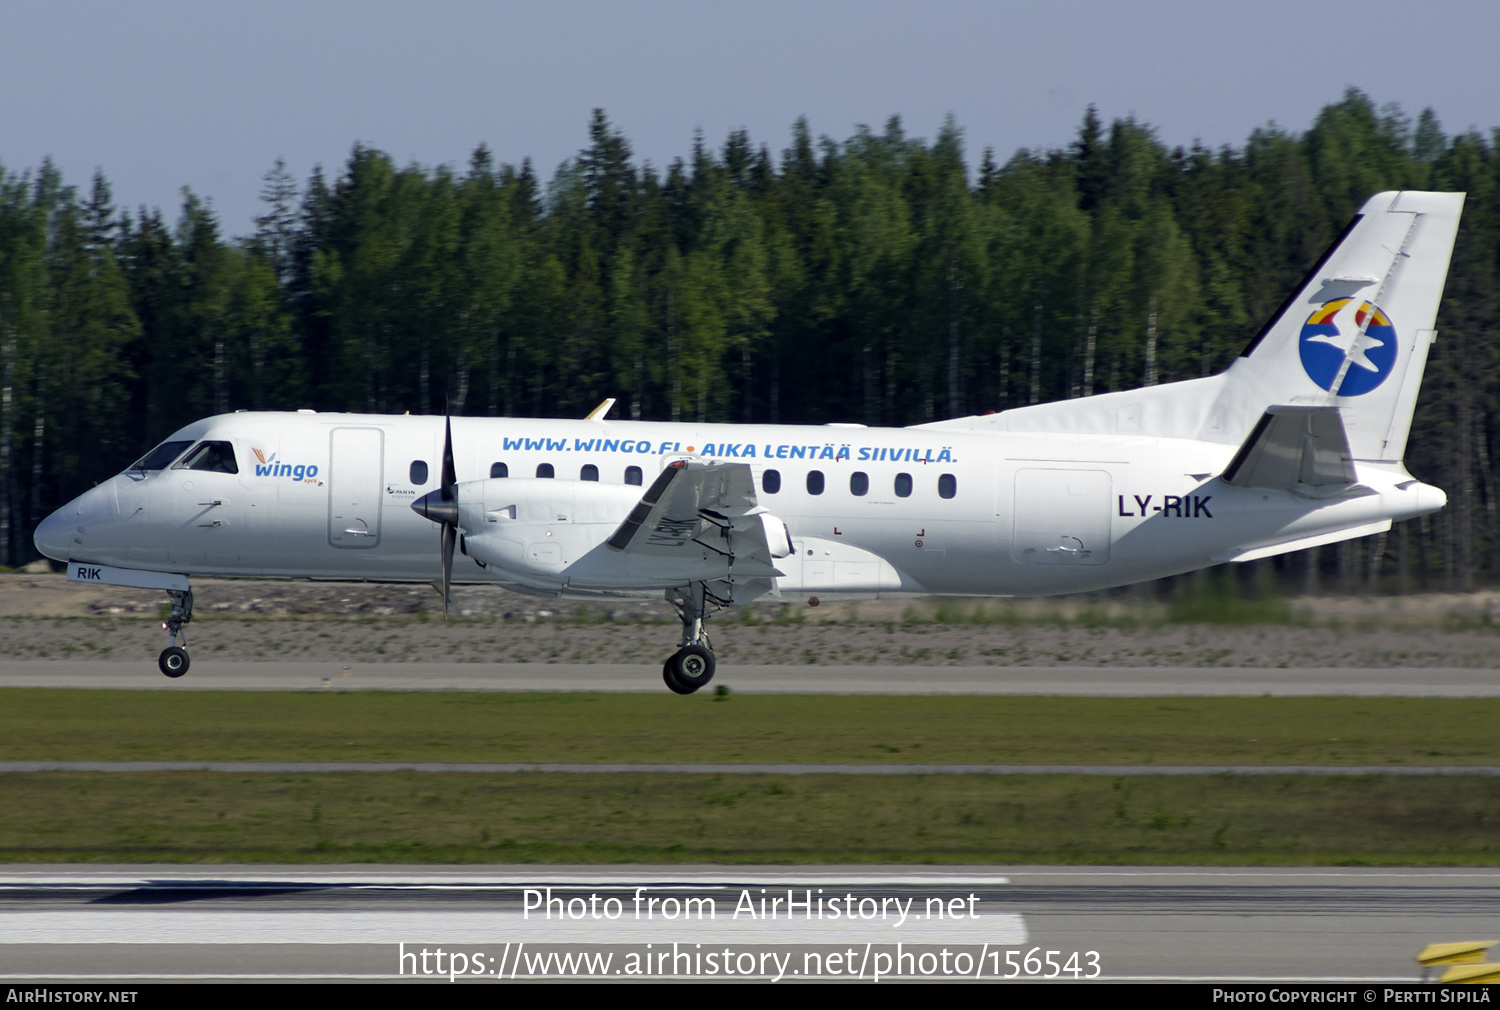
690,668
670,679
173,661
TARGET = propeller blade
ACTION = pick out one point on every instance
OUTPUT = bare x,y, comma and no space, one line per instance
450,493
449,534
450,478
441,506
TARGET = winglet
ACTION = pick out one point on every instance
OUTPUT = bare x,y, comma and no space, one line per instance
597,414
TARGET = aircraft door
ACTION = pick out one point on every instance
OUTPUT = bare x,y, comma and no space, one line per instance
356,459
1062,517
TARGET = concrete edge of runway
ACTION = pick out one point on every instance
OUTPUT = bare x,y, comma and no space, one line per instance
525,874
219,675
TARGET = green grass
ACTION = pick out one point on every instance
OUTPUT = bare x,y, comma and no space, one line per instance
1212,602
63,725
1089,613
696,818
1066,819
1217,603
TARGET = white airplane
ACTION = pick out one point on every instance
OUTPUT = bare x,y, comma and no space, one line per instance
1289,448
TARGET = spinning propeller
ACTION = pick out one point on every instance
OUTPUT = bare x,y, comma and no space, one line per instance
441,506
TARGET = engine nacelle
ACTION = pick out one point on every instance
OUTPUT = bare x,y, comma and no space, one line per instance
533,528
778,536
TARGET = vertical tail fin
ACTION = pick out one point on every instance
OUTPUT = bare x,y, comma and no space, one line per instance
1355,335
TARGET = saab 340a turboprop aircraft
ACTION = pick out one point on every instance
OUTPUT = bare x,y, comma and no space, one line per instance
1298,443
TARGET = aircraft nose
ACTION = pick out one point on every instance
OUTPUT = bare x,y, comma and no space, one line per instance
60,535
55,533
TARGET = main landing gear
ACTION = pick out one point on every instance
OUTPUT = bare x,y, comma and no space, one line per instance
691,666
173,660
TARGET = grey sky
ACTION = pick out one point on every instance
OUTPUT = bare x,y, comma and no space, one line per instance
166,93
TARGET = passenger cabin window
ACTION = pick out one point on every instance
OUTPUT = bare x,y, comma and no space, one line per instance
161,457
418,473
215,457
815,482
903,485
589,472
633,475
544,470
770,481
859,484
499,470
947,486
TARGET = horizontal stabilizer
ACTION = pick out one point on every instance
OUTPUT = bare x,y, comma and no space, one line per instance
1303,543
1301,449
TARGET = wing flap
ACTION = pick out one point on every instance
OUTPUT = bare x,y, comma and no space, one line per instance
693,505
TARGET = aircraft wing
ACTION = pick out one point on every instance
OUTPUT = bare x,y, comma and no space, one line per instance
694,505
1294,448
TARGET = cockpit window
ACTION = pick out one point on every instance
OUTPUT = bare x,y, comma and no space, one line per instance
161,457
215,457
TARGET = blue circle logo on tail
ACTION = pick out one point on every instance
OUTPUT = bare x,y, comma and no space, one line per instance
1331,333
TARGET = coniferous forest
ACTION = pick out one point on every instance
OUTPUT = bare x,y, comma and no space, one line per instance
881,279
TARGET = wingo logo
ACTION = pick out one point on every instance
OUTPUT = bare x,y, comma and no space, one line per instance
1332,333
270,466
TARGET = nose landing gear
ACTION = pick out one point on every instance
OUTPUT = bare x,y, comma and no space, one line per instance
173,660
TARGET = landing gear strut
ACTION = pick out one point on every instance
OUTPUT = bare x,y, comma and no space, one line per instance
173,660
691,666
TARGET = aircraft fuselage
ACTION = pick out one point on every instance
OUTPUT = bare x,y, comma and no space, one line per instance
327,496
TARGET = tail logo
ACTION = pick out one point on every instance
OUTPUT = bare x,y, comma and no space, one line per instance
1332,333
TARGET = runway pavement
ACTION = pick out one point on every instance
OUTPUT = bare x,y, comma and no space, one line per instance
218,675
1361,926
